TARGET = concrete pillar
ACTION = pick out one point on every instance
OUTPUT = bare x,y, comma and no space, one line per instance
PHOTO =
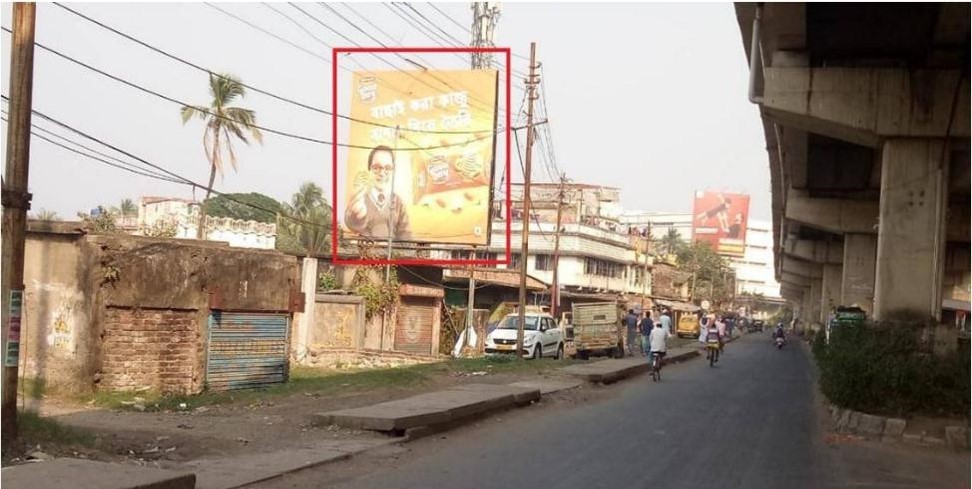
857,283
300,339
830,290
815,300
911,237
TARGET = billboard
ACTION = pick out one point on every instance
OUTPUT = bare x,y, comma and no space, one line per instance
720,219
421,156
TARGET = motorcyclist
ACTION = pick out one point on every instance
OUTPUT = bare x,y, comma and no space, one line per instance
779,332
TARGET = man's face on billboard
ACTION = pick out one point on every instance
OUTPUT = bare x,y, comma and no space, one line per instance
382,166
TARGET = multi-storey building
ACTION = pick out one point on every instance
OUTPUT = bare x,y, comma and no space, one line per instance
598,257
754,270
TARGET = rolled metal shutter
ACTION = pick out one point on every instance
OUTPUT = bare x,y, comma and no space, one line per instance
246,350
413,333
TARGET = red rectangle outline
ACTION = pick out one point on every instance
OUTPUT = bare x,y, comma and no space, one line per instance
335,259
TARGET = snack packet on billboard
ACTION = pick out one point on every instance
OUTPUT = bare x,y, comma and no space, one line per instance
462,169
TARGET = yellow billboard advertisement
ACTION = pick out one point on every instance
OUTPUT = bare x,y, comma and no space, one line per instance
420,162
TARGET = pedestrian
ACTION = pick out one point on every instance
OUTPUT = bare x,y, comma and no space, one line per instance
666,321
631,323
646,326
703,327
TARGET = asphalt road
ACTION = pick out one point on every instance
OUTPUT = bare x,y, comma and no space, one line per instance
751,422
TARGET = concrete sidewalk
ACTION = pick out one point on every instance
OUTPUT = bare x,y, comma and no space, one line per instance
72,473
613,370
434,408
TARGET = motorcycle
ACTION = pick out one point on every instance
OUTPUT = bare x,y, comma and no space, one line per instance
780,342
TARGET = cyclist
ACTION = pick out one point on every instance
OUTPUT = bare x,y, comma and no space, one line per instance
658,341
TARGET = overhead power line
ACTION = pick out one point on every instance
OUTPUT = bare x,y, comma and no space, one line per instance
257,126
261,29
261,91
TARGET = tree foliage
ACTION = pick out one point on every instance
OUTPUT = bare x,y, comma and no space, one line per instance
307,227
712,277
101,220
46,215
245,206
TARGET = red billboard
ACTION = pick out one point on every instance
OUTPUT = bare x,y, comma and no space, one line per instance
720,219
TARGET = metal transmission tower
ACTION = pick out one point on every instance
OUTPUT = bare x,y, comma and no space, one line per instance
485,16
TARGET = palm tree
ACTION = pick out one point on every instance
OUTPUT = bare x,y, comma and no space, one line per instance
46,215
309,229
672,241
223,123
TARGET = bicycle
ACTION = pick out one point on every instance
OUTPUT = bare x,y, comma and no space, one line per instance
712,353
656,365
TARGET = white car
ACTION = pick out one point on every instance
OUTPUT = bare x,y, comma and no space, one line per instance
541,336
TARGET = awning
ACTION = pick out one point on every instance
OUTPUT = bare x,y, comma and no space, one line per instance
676,305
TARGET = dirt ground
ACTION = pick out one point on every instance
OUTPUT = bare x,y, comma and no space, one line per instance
168,438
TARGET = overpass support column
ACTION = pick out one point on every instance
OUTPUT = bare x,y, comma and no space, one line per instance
911,236
857,283
830,293
814,301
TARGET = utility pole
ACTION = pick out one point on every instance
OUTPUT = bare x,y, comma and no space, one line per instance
525,233
16,202
644,270
470,323
555,292
485,17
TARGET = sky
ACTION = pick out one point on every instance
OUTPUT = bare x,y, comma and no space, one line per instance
650,98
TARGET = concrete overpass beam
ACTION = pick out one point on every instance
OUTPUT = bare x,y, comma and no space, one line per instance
857,283
834,215
812,250
794,280
911,239
799,267
863,105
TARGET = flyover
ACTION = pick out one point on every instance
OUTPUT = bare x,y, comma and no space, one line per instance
865,110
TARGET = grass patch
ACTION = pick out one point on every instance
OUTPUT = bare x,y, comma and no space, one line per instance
305,379
38,430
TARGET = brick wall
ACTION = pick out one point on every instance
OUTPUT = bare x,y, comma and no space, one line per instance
157,348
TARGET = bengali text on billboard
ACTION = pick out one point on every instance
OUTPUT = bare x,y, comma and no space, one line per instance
720,219
421,162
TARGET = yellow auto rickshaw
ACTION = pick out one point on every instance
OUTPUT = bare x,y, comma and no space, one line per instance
688,326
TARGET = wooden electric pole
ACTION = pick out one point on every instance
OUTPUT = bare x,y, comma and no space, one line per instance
555,291
525,233
16,202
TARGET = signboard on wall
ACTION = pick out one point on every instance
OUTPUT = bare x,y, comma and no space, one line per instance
420,166
720,219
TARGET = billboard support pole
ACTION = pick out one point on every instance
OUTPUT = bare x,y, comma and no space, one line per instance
391,207
525,233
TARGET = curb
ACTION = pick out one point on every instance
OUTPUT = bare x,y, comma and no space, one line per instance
890,430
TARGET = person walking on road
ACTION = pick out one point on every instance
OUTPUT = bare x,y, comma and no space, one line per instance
631,323
646,327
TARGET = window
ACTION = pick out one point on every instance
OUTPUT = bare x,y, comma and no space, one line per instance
603,268
467,255
544,262
514,260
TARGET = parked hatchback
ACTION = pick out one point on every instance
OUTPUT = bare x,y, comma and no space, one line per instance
541,336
